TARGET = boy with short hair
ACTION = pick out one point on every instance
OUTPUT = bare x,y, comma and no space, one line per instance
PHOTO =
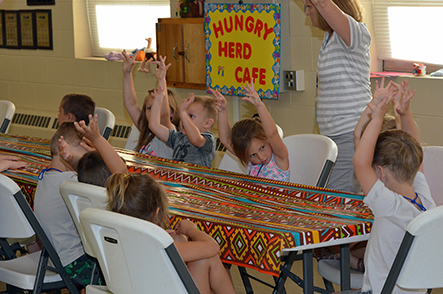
389,169
194,143
51,210
96,166
67,144
75,107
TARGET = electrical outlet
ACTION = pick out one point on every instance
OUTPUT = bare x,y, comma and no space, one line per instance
294,80
289,79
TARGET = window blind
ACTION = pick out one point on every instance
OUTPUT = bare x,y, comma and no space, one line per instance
382,26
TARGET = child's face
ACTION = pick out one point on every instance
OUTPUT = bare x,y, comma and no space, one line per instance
198,115
62,116
149,101
259,151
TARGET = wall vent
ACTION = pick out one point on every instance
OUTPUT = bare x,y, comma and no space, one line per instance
31,120
219,146
55,124
121,131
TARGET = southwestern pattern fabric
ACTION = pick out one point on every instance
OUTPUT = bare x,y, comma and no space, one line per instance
252,219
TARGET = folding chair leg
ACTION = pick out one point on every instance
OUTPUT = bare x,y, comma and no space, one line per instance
328,285
245,278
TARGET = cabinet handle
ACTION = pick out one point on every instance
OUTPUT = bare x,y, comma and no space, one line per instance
186,53
173,52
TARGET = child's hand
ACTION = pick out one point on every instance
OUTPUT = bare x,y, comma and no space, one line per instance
184,226
220,101
187,102
251,94
177,237
379,110
128,61
161,70
92,131
87,144
11,162
65,150
404,105
381,91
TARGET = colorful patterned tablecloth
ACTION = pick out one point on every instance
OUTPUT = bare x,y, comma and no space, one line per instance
251,218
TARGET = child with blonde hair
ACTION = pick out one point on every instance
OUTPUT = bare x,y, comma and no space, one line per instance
389,168
255,142
139,195
148,143
194,143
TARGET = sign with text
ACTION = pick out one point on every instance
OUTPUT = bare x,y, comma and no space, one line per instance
242,43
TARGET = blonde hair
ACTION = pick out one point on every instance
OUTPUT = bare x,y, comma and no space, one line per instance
138,195
353,8
400,153
209,105
146,135
242,133
70,135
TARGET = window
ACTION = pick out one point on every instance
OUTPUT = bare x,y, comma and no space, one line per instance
407,30
116,25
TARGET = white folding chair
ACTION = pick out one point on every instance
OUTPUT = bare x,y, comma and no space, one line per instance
106,121
136,256
78,197
231,163
433,170
417,264
132,141
33,271
7,110
311,158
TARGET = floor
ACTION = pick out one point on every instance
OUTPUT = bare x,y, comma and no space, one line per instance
291,288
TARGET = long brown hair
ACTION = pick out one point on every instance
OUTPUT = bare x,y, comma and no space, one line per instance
242,134
146,135
138,195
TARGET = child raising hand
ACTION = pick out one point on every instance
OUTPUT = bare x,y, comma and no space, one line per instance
255,142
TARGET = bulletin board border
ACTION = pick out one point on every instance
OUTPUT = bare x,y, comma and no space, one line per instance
260,7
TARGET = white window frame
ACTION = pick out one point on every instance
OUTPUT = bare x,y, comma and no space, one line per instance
382,34
98,51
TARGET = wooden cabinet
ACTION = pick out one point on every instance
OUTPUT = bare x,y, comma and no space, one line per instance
182,40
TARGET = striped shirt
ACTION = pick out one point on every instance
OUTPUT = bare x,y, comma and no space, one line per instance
343,80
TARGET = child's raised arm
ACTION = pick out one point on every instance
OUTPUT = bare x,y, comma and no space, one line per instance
129,96
224,130
155,126
403,108
380,93
111,158
160,74
364,152
281,155
192,132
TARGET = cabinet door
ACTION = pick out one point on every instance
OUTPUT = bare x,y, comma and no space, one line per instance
194,57
170,44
